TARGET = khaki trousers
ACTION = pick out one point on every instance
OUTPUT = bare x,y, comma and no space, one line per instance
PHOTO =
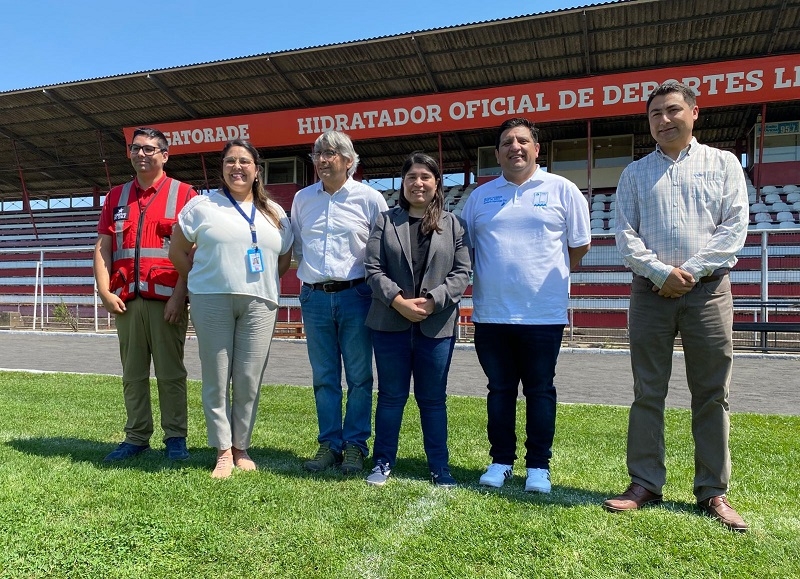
144,335
704,318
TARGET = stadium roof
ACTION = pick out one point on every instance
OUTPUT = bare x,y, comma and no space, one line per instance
68,137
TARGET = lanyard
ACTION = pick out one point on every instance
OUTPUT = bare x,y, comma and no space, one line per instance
250,220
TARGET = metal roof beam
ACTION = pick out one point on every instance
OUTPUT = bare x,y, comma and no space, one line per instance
586,44
432,81
170,94
45,155
778,16
73,110
424,63
561,35
295,91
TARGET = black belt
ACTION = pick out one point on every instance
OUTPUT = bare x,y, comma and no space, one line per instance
331,287
716,275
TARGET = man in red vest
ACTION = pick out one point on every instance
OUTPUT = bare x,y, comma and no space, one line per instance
138,284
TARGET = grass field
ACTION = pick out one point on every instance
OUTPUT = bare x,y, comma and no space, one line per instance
63,513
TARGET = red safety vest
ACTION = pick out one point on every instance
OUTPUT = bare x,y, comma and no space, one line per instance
140,244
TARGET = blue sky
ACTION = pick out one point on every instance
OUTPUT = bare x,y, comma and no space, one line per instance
52,41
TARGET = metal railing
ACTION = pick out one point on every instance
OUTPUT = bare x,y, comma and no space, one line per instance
775,281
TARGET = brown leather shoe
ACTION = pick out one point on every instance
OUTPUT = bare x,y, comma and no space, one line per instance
720,509
635,497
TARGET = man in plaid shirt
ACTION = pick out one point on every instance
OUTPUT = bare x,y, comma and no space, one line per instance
682,214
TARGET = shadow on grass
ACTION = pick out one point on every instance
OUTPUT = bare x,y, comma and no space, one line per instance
288,463
81,450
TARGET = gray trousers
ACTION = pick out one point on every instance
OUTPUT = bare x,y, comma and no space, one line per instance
704,318
234,333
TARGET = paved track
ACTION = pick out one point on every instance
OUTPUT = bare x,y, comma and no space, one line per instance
765,384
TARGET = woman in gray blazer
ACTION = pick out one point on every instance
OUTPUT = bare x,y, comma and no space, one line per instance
418,268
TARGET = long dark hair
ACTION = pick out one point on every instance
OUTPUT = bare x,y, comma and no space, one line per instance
260,196
430,220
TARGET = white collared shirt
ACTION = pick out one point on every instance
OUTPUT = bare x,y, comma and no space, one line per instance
331,230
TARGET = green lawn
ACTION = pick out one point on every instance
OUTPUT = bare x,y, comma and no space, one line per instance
63,513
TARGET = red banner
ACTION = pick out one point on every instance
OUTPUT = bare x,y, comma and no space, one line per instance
759,80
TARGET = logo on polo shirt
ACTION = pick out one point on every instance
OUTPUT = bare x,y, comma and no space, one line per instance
493,199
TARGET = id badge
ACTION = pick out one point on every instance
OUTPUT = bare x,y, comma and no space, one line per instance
255,260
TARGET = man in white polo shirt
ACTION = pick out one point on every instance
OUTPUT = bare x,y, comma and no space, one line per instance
527,228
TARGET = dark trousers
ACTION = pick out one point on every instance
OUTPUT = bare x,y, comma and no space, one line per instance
510,354
398,356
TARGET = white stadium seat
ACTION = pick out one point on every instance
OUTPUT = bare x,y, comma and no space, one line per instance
758,208
785,216
771,198
763,217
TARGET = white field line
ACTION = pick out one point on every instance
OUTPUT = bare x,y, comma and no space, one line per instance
377,563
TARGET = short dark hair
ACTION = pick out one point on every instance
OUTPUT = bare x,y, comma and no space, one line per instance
516,122
671,86
153,134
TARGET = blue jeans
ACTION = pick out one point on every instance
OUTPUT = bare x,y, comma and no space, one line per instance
510,354
336,334
398,356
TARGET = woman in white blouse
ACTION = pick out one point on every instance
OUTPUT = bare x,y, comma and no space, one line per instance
232,247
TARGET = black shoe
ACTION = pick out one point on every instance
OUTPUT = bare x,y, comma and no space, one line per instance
124,451
443,479
176,448
352,459
324,458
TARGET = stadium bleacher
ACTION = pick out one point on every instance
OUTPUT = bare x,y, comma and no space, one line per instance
60,245
56,252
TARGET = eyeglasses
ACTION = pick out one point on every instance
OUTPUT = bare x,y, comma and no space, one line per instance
324,155
148,150
231,161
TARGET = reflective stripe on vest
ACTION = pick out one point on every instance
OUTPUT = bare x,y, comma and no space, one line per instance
172,200
146,252
161,290
119,230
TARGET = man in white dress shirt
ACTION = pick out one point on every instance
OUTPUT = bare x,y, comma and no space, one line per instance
331,221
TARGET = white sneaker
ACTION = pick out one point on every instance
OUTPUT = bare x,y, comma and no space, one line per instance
496,474
538,480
